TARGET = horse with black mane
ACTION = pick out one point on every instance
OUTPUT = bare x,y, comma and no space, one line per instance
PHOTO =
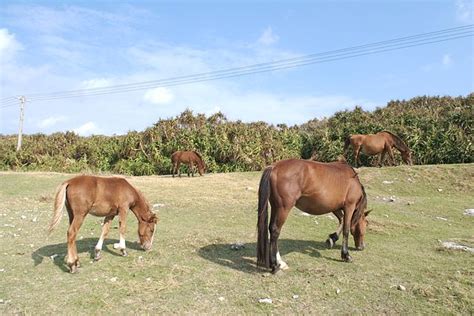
374,144
313,187
191,158
104,197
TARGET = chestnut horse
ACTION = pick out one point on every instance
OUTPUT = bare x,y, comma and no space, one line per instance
380,143
315,188
105,197
190,158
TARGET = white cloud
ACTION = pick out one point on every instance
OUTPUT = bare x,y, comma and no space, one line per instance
51,121
96,83
9,46
464,11
268,37
158,96
447,60
87,129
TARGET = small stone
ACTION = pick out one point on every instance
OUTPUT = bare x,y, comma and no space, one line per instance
440,190
2,270
148,279
401,287
34,220
391,199
266,300
23,217
114,279
295,297
53,256
441,218
387,182
237,246
469,212
249,188
220,298
338,291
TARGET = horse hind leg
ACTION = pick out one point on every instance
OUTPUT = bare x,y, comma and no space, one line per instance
331,241
72,258
277,220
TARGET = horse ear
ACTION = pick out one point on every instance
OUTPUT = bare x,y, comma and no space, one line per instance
368,212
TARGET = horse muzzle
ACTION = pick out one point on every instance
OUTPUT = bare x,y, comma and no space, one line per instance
146,246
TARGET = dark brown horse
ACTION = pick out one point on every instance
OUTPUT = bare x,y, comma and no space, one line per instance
105,197
191,158
315,188
380,143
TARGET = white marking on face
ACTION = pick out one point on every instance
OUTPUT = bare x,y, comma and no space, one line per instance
153,236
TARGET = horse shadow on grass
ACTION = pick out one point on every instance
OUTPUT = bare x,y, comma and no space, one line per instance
244,259
58,252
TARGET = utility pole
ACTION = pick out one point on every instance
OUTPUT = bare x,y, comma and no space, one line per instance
22,116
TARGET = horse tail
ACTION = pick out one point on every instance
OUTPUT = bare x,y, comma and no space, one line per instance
59,202
263,253
347,143
360,207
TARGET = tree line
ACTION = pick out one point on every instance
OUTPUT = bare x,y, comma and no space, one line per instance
437,129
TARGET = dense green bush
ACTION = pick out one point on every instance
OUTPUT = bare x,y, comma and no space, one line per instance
437,129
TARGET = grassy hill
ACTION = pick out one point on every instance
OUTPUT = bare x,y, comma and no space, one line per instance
192,267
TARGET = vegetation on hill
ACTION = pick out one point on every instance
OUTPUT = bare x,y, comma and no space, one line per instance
437,129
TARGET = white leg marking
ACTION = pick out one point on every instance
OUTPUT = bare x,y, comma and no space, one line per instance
99,243
282,263
121,244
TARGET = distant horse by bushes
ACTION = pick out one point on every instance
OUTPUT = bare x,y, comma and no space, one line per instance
191,158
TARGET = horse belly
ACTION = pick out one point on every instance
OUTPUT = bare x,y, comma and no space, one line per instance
317,206
102,210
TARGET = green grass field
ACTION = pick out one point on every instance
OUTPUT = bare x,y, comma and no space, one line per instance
192,268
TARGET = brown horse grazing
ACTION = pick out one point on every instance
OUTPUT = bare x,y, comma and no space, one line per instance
191,158
105,197
315,188
380,143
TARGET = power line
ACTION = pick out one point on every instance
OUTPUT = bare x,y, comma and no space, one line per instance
334,55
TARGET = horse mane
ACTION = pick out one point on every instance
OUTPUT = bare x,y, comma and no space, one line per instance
201,161
398,142
360,206
142,197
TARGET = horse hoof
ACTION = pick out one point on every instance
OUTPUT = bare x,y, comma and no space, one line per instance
329,243
347,258
275,270
73,268
98,255
124,252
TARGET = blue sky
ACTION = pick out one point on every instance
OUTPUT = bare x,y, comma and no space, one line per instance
48,46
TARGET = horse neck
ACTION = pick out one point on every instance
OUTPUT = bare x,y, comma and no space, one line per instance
398,143
141,209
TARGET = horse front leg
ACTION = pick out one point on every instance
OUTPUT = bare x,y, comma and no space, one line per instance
178,167
277,220
390,154
382,157
331,241
103,235
356,156
72,258
122,229
191,166
348,212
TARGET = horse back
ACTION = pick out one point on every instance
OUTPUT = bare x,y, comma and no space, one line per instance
102,193
315,187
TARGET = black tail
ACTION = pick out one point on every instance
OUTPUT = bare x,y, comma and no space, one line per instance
347,143
263,250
